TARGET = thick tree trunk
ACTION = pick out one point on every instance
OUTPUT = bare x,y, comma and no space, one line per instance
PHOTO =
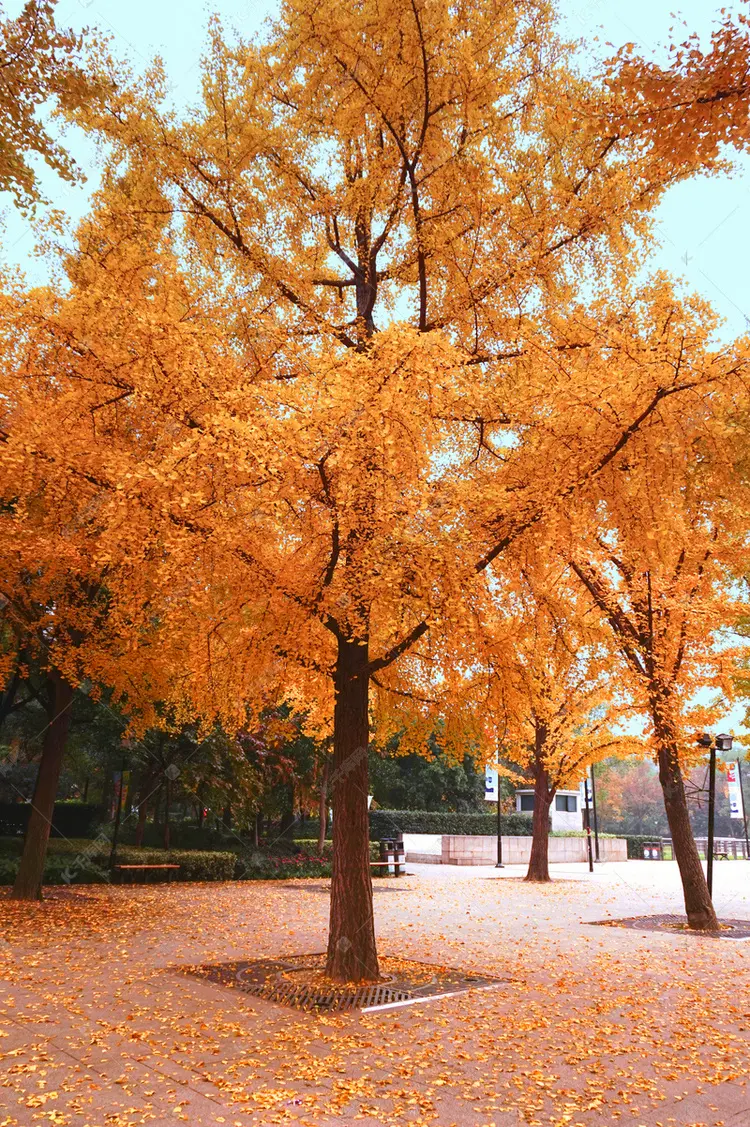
28,884
539,860
698,906
352,954
323,808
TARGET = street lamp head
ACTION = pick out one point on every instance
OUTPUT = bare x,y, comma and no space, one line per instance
704,740
723,742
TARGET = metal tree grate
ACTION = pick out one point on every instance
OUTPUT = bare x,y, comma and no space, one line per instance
738,930
305,996
298,981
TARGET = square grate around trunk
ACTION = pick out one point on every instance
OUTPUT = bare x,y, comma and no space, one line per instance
299,981
678,925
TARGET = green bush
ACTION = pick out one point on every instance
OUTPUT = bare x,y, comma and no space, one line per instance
385,823
310,848
197,865
90,864
263,866
580,833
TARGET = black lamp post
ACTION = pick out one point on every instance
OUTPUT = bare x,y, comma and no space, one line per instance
722,742
596,819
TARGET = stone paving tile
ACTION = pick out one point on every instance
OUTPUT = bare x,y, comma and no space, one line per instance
110,1022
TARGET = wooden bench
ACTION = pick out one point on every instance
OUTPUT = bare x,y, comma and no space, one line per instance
398,867
169,869
720,855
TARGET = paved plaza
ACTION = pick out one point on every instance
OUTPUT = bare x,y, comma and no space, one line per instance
587,1025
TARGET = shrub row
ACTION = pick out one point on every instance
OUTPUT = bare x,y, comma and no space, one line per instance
262,866
385,823
70,819
310,847
91,864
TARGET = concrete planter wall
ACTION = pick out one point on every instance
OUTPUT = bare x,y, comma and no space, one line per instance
465,849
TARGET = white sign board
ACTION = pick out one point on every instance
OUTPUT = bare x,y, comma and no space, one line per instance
490,784
736,806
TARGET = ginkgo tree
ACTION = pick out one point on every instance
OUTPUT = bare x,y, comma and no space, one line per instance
43,67
695,107
320,363
553,690
659,548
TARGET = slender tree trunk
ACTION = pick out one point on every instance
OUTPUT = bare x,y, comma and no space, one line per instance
323,808
226,817
352,953
539,860
145,786
140,826
257,828
28,884
167,804
86,790
698,906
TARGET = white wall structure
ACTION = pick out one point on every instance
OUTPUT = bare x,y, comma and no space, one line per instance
425,849
565,811
459,849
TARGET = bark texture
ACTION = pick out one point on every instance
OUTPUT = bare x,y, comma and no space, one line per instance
539,860
698,906
352,954
28,884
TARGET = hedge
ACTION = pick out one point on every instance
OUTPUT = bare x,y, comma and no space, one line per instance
261,866
257,864
384,823
70,819
91,864
310,847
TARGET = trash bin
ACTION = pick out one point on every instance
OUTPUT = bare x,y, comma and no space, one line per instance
388,853
652,851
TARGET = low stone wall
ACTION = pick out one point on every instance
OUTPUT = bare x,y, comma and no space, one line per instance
424,849
467,849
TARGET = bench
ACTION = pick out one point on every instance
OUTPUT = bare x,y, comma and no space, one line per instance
169,869
720,855
398,867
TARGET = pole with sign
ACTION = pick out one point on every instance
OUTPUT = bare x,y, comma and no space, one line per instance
492,794
736,797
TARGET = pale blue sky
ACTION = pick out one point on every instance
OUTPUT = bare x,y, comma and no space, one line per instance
703,225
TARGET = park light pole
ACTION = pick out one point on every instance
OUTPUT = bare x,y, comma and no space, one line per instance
588,823
596,819
722,742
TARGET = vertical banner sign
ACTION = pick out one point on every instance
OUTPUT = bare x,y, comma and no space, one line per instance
736,807
585,792
490,784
